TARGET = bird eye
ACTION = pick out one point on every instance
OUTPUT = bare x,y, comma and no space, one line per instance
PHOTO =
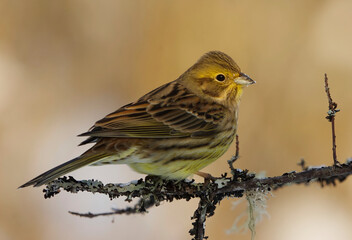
220,77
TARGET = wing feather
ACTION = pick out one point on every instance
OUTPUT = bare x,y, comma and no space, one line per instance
168,112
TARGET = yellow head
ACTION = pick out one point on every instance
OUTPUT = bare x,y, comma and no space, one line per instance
216,76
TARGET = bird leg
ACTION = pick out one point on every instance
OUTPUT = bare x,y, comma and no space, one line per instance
207,177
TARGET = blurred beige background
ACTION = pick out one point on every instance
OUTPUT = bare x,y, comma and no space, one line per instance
66,64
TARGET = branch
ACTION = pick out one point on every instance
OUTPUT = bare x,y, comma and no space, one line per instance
152,190
140,207
331,117
200,215
234,158
168,190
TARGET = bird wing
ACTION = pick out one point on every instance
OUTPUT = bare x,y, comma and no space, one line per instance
169,111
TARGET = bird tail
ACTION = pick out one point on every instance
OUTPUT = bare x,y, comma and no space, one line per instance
64,168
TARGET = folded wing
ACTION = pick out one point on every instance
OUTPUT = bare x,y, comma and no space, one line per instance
170,111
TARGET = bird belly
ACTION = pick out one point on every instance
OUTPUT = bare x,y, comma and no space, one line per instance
179,160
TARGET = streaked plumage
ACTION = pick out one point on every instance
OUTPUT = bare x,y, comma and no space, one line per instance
173,131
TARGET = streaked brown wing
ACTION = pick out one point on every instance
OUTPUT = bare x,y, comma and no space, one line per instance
169,111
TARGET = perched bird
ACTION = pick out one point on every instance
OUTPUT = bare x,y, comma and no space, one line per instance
172,131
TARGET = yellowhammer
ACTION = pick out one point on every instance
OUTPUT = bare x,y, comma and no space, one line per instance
173,131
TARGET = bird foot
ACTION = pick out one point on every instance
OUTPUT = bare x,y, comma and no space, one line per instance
207,177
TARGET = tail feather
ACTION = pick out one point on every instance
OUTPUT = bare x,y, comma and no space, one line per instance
63,169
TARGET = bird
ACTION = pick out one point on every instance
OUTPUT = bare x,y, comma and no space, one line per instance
171,132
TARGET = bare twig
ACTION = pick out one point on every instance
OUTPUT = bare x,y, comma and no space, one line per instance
140,207
114,212
302,164
331,117
234,158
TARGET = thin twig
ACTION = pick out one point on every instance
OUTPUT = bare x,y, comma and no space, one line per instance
126,211
331,117
140,207
302,164
234,158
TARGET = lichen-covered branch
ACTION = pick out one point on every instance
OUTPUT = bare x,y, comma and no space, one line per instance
167,190
153,190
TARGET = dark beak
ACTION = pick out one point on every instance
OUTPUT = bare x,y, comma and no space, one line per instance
244,79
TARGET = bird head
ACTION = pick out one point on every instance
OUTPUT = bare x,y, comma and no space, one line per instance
216,76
